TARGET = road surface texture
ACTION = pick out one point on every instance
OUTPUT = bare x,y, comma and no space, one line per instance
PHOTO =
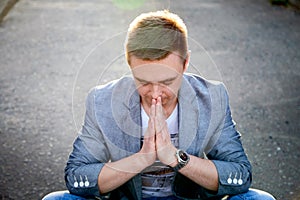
53,51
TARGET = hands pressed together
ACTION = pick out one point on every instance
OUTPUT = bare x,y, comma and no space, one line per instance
157,140
157,145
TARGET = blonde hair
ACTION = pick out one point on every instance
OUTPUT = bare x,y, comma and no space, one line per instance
154,35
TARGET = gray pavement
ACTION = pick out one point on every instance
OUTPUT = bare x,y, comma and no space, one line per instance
53,51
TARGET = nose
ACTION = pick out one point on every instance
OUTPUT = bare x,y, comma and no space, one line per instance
156,91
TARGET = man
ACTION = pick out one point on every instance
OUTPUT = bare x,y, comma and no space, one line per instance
160,134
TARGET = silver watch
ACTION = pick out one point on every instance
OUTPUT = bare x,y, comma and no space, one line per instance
183,158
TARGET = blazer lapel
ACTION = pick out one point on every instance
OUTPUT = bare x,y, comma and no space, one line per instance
188,115
126,114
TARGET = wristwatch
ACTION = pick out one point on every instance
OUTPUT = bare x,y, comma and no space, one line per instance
183,158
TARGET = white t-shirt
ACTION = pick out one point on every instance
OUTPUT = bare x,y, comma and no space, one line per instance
157,179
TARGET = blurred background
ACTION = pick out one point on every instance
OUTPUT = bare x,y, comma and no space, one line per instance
53,51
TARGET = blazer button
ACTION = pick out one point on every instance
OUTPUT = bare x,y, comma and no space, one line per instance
75,184
229,180
240,181
81,184
86,183
235,181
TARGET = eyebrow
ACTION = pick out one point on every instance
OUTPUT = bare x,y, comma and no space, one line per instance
162,81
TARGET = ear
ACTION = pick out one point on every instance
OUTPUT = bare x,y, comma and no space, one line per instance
187,60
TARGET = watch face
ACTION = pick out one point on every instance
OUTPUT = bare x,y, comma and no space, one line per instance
183,156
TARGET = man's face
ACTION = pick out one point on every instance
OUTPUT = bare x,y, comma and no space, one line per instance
158,78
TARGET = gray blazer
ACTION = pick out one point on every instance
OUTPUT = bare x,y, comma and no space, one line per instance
112,130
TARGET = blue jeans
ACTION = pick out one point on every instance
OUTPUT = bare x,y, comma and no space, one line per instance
252,194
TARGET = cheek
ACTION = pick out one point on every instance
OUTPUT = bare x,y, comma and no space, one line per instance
169,92
172,90
143,91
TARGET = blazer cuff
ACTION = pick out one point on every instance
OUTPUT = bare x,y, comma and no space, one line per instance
234,178
83,181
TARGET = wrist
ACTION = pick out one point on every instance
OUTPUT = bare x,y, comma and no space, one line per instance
182,159
174,159
165,154
173,164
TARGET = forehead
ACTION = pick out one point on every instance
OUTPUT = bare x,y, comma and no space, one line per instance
154,72
157,70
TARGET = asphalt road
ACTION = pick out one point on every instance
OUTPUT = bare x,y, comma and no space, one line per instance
52,52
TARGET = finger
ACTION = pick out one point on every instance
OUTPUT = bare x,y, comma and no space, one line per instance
152,109
160,121
159,110
158,107
150,133
158,100
164,135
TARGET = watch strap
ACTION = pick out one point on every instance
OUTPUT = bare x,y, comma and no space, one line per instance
181,163
178,167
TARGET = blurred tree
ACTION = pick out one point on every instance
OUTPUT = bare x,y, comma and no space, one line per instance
5,7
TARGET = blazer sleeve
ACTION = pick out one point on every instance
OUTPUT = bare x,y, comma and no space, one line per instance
88,156
229,157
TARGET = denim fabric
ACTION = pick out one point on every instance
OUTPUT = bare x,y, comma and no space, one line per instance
162,198
62,195
252,194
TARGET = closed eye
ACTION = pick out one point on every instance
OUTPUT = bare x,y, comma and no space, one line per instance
144,83
166,82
